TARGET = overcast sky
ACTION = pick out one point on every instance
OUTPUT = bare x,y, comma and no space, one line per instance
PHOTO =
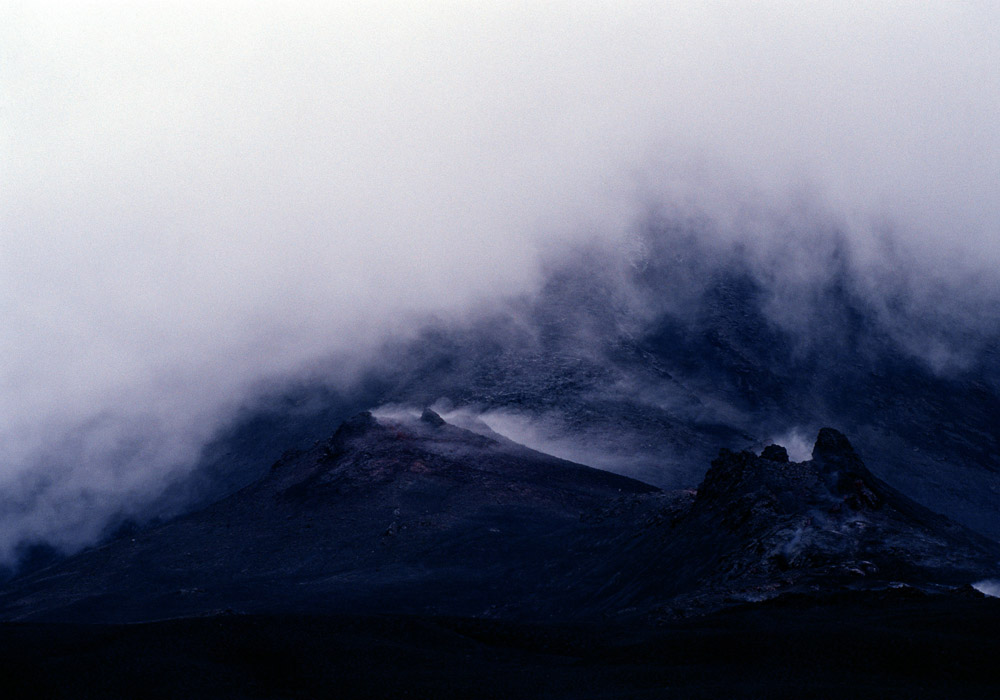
193,199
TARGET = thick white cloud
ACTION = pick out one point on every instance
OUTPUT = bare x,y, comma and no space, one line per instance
195,199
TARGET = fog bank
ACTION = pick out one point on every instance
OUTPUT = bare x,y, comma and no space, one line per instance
197,201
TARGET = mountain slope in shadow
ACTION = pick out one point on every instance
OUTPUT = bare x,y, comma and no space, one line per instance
407,515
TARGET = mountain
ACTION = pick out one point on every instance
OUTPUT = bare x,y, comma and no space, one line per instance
391,515
716,549
405,514
647,367
406,555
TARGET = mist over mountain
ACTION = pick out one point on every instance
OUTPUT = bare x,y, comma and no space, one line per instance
499,349
626,236
647,365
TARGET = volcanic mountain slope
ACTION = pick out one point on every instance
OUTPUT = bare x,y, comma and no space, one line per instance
415,515
387,515
647,369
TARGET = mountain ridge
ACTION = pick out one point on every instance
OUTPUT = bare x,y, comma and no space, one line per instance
411,514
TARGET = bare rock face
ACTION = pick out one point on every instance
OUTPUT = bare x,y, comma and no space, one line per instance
834,478
431,418
775,526
837,458
775,453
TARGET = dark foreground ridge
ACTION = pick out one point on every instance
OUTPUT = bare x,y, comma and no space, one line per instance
415,544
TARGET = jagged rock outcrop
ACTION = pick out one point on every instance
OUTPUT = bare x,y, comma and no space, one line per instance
773,525
432,418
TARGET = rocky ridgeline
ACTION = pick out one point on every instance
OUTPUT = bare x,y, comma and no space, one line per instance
412,514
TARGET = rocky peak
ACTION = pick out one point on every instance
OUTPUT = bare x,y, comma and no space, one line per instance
771,484
356,425
773,524
775,453
431,418
844,472
726,476
832,443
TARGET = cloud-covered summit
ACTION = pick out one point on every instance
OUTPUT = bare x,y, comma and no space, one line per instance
197,200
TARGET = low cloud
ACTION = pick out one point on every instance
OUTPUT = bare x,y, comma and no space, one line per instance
198,202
